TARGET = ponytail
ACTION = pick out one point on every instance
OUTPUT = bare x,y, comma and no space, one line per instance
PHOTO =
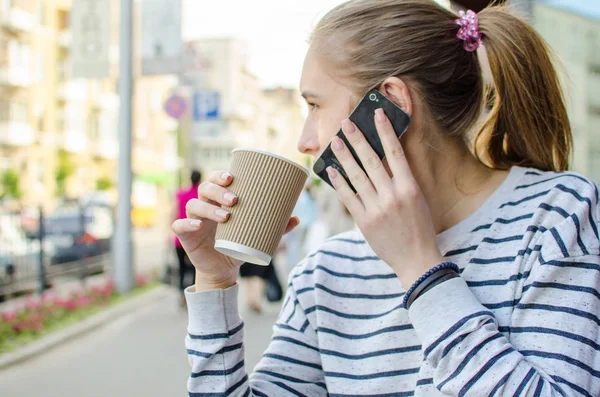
528,123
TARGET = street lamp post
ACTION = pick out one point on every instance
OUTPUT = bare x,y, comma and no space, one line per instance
122,253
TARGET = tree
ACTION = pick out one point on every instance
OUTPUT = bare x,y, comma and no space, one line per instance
11,182
104,183
66,168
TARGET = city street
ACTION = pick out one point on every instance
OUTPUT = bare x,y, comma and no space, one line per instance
139,355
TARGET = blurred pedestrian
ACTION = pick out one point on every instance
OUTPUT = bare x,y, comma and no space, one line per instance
181,199
257,279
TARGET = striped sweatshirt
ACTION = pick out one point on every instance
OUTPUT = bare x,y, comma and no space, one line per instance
522,320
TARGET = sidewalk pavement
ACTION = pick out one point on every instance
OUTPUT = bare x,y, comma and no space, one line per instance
141,354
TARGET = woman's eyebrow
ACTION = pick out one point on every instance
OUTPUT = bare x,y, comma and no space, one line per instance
309,94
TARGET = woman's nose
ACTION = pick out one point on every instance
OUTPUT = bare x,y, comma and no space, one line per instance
309,143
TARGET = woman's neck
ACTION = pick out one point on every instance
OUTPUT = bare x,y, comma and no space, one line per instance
454,182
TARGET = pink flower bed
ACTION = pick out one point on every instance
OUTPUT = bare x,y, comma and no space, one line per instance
37,314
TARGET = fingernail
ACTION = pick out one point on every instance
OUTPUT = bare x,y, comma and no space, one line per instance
380,115
222,213
337,143
195,222
229,197
225,176
332,172
348,126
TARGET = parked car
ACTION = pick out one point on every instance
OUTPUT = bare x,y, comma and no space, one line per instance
19,256
79,233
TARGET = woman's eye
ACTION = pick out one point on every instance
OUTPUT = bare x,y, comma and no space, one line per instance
312,106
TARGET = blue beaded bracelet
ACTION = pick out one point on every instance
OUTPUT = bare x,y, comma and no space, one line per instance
428,275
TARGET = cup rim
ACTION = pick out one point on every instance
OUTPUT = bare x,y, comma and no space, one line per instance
273,155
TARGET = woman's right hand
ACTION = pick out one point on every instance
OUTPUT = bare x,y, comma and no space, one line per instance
197,233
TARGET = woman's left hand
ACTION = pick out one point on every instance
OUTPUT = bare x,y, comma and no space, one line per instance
391,211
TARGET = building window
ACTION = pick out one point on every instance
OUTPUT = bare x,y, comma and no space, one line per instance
19,112
41,12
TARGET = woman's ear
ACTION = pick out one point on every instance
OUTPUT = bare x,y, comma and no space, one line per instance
397,91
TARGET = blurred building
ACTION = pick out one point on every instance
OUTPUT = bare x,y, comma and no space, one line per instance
250,116
60,134
575,38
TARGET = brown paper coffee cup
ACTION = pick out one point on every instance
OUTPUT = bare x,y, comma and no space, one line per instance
267,187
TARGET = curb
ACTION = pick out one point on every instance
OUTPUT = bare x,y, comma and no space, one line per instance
55,339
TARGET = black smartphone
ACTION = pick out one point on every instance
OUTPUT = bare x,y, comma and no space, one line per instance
363,116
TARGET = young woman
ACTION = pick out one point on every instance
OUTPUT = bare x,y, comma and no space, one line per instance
468,275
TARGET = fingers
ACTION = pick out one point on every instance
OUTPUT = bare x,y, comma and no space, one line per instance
369,159
221,178
216,194
394,152
357,176
182,227
294,221
351,201
199,209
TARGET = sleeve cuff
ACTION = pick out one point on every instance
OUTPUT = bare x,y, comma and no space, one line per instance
442,308
212,311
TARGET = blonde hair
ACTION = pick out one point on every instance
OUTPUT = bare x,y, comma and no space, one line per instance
366,41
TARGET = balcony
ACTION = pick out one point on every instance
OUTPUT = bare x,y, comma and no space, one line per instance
18,20
72,91
106,149
15,133
14,77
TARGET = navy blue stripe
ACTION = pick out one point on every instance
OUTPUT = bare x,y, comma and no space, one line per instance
424,382
579,240
342,256
490,240
573,386
503,221
484,369
468,358
258,393
396,328
190,394
377,375
460,338
533,173
377,353
560,243
455,328
285,326
461,251
347,275
551,331
501,305
586,200
219,372
295,342
481,261
208,355
218,336
286,387
564,287
487,283
296,303
348,295
561,309
525,382
234,387
551,208
291,378
528,198
551,179
500,383
351,316
396,394
304,326
535,229
292,360
580,265
539,388
562,357
349,241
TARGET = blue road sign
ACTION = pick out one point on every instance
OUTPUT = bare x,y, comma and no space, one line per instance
207,105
